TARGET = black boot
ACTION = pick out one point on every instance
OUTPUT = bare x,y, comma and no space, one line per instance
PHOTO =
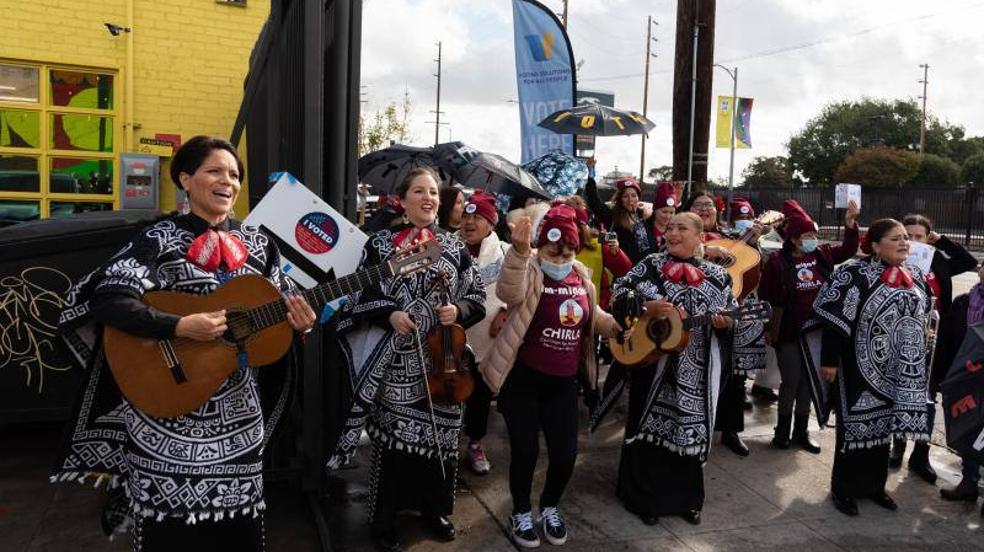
801,436
919,463
781,438
733,441
896,454
965,491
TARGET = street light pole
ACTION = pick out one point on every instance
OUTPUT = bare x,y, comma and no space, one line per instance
734,116
645,95
922,127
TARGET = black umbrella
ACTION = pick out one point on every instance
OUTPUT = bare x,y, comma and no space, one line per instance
454,156
963,397
385,169
496,174
589,117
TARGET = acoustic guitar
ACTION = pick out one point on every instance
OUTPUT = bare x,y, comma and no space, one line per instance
654,338
745,267
170,377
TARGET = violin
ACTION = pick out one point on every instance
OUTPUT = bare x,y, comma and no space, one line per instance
450,380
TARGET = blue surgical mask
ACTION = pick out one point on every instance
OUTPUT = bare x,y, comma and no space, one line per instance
556,271
809,246
742,225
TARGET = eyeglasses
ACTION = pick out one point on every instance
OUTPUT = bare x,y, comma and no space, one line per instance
701,205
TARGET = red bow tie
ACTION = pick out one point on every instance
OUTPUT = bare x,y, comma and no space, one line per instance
894,276
411,236
216,247
683,273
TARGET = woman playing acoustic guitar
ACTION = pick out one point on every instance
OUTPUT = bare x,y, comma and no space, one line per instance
672,402
188,477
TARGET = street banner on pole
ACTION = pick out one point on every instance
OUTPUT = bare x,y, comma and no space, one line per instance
545,76
743,136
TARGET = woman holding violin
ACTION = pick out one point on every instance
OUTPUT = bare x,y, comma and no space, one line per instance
405,367
533,365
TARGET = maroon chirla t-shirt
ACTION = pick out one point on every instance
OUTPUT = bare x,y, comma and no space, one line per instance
808,282
553,340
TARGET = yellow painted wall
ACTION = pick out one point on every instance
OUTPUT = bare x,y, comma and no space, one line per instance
190,58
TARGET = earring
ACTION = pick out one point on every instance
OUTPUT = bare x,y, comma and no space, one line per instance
406,219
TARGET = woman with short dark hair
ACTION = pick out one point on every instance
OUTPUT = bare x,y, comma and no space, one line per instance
195,481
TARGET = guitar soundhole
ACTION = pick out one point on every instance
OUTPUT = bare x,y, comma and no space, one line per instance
658,330
240,327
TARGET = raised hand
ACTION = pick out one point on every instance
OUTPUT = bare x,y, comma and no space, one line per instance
851,214
522,235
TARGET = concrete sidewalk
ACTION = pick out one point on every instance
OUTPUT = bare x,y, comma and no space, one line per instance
770,500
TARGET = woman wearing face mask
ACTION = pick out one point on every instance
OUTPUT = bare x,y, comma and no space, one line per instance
533,364
870,317
626,217
949,260
672,402
388,368
747,351
791,279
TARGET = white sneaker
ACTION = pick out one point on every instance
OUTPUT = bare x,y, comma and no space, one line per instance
553,525
523,532
476,458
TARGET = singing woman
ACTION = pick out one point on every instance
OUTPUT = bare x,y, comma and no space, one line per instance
195,481
388,361
672,402
871,319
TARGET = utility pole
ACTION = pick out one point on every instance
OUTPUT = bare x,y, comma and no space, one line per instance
692,82
922,129
645,94
437,111
564,19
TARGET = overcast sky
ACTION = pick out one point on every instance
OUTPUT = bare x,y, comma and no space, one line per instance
794,57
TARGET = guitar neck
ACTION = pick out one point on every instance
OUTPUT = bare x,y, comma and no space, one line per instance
692,322
275,312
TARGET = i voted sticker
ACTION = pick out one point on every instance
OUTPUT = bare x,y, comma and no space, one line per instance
471,208
553,234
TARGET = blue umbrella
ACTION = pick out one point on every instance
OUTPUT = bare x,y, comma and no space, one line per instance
559,173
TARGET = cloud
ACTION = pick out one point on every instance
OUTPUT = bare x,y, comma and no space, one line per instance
794,57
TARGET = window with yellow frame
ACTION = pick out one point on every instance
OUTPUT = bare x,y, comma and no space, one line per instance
59,141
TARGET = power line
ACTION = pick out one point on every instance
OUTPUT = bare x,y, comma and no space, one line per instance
804,45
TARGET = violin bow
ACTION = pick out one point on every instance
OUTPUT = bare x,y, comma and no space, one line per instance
430,404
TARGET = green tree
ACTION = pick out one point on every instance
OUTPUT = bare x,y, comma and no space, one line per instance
389,124
663,172
879,166
966,148
936,170
973,169
821,147
768,172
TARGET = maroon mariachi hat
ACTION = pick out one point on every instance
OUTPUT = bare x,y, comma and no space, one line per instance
215,248
797,225
483,205
580,215
628,182
560,225
741,208
664,196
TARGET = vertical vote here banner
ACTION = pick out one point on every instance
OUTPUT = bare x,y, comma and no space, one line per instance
544,76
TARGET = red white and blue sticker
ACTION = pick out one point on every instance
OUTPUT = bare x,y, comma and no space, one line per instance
316,233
